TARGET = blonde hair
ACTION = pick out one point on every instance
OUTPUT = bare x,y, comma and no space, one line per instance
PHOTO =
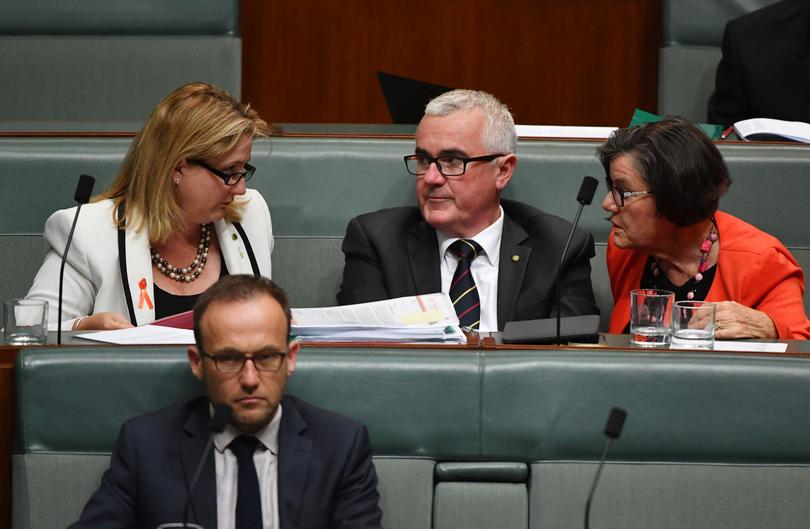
196,121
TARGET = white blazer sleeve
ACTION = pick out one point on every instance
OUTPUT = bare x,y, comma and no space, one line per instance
79,292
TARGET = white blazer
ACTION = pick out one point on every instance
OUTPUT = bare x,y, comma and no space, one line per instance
93,281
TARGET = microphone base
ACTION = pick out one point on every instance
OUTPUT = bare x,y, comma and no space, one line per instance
580,329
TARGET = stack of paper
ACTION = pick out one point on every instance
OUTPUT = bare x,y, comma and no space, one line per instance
146,335
421,319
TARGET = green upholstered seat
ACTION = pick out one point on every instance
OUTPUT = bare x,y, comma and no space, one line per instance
467,438
314,185
692,36
105,60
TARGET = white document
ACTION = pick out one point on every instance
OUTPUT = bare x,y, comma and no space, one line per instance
773,129
413,319
146,335
563,131
749,347
410,310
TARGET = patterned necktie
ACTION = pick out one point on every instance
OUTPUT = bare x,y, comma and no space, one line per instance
248,497
463,292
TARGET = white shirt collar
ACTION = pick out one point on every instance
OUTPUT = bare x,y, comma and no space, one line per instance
267,436
489,239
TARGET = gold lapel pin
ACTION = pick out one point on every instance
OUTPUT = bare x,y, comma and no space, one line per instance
515,258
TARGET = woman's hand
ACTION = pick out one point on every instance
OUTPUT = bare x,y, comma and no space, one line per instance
102,321
738,321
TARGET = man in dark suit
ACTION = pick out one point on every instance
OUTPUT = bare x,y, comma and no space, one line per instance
464,158
304,466
765,69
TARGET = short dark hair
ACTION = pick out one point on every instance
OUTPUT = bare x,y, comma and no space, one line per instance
238,287
685,171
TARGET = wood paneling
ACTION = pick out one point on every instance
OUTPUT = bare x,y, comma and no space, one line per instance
7,355
565,62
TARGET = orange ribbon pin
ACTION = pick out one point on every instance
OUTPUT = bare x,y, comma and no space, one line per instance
144,295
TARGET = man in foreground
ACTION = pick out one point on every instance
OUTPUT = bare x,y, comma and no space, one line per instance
497,259
279,462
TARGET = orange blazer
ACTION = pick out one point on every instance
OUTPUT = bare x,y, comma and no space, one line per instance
753,269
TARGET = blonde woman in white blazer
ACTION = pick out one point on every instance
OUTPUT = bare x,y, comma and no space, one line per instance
177,217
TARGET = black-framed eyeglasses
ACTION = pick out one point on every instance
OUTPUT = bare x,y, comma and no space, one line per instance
230,364
450,166
230,179
619,196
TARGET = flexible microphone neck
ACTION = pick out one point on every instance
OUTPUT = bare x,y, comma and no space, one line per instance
222,414
613,430
82,196
584,197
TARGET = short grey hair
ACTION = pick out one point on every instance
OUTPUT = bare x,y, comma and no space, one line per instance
499,135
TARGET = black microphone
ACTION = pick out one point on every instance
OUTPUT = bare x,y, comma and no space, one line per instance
584,197
82,196
613,429
587,190
576,327
222,414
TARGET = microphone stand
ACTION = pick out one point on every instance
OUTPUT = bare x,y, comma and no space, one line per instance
82,196
557,289
613,429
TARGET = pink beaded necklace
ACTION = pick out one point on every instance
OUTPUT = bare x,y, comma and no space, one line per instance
705,250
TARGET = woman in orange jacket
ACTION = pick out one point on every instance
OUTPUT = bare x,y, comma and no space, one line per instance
664,183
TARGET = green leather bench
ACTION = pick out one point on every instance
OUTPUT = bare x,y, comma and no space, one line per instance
472,439
314,185
692,34
110,60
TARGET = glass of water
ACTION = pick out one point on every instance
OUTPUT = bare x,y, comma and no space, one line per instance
25,321
651,317
693,324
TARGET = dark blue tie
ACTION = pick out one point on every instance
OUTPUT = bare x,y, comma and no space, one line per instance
248,497
463,292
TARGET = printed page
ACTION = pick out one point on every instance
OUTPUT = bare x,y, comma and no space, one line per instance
146,335
412,310
773,129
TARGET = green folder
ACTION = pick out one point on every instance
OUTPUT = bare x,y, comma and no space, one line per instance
641,116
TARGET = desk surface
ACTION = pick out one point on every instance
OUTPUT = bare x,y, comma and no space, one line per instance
487,341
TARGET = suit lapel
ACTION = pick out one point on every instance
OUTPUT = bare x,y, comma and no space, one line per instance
423,255
139,269
233,248
513,261
294,451
192,445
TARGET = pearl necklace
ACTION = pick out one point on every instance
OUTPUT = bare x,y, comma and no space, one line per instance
192,271
705,250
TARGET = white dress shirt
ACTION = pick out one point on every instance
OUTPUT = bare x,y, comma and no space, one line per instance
266,460
484,269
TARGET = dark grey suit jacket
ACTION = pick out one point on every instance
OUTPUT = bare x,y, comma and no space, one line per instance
325,474
765,70
394,253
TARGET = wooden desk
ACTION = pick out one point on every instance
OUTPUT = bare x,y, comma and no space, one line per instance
7,355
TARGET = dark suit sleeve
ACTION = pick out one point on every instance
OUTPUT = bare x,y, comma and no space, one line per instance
576,291
357,501
729,103
363,279
112,506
